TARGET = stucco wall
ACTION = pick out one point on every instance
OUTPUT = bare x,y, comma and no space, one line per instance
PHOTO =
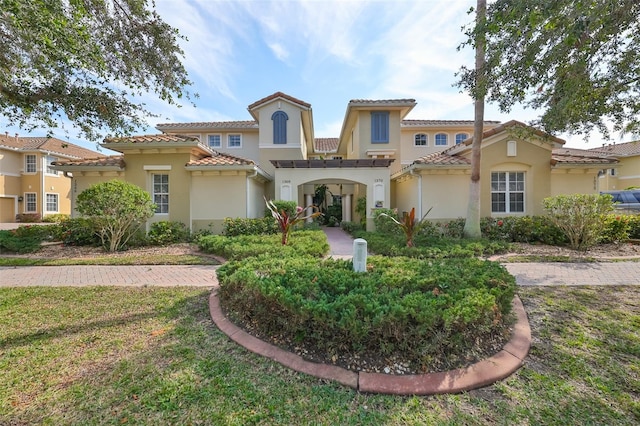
573,182
447,195
629,172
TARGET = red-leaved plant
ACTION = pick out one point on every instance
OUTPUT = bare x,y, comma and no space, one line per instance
409,225
286,222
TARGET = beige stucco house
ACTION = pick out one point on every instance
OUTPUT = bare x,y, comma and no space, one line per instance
199,173
626,173
28,182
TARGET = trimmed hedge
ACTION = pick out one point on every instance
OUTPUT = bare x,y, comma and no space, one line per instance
302,243
402,306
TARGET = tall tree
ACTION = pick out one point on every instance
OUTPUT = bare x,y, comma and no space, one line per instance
86,60
472,222
577,61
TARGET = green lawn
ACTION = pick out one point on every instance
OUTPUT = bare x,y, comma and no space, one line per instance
152,356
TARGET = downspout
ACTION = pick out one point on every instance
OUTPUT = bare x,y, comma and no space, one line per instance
255,173
413,173
43,201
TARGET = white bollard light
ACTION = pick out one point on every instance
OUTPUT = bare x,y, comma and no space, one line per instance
359,255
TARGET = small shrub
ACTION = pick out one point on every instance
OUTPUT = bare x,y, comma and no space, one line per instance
616,228
351,227
12,241
56,218
167,232
580,217
79,231
634,226
241,226
383,220
28,217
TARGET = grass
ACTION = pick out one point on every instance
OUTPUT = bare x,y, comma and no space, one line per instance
102,355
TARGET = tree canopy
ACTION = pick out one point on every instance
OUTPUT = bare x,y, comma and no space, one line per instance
88,61
578,61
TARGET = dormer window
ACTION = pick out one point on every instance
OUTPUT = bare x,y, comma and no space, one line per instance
279,127
380,127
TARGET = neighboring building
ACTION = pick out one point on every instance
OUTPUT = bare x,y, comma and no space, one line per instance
28,183
200,173
626,174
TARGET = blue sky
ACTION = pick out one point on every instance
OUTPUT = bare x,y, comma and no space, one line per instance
324,52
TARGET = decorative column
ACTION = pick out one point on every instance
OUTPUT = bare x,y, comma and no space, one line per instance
346,207
309,201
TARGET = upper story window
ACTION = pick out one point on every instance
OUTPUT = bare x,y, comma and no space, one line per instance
507,192
461,137
214,141
50,170
161,193
442,139
234,141
30,163
30,202
420,139
279,127
380,127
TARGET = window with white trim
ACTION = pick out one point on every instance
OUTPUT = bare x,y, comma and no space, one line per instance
460,137
234,141
214,141
441,139
50,159
51,203
507,192
30,202
161,193
420,139
30,165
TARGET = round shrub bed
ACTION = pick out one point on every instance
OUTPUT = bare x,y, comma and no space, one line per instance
428,315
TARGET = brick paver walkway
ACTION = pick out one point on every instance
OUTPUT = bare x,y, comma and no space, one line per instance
546,274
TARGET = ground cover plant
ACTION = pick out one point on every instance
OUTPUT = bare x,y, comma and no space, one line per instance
91,356
435,315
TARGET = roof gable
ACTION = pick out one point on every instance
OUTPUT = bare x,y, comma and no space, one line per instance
53,146
276,96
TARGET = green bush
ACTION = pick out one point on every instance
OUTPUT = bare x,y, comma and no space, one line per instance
168,232
384,224
400,306
79,231
56,218
634,226
241,226
616,228
522,229
351,227
12,241
580,217
302,243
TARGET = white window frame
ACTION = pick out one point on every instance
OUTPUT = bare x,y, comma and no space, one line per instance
48,170
426,140
229,136
160,193
219,140
446,139
27,195
27,163
57,202
509,188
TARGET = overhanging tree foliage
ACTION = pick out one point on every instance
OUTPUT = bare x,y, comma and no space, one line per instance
578,61
118,209
86,60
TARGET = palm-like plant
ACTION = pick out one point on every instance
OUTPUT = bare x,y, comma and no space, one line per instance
287,221
410,226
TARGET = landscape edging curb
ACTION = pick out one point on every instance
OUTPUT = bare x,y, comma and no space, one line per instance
477,375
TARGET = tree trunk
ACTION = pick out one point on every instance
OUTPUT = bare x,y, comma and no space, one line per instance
472,222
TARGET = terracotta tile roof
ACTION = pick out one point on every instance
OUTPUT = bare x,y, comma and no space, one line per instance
514,123
220,159
443,159
366,102
621,149
53,145
579,156
276,96
160,138
420,123
326,144
111,161
246,124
